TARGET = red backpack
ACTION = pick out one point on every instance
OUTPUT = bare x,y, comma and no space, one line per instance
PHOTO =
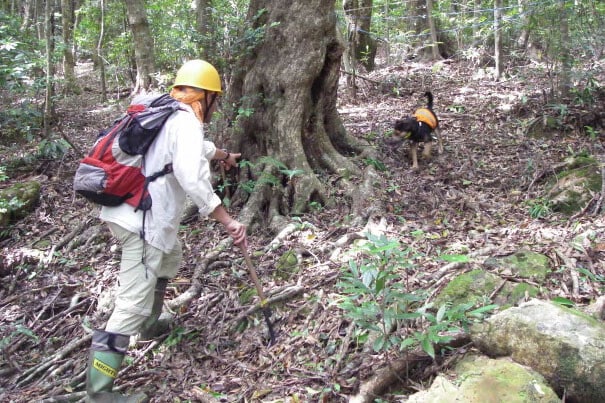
111,173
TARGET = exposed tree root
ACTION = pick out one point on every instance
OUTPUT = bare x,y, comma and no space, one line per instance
195,288
40,371
398,371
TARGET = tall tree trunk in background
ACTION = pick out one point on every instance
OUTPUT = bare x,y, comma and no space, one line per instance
289,82
204,25
38,15
100,51
498,37
361,47
421,27
433,29
67,13
564,51
27,15
143,45
525,15
48,101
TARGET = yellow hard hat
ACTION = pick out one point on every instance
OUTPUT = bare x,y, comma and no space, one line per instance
198,74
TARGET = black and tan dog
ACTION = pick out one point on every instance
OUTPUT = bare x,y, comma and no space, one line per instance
419,128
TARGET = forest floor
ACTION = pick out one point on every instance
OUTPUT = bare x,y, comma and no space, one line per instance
475,196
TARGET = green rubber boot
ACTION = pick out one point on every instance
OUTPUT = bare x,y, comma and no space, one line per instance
157,323
106,356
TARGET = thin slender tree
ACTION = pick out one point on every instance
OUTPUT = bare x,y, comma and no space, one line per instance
498,37
67,16
204,28
100,57
50,69
143,45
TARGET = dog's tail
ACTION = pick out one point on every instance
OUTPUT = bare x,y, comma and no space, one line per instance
429,97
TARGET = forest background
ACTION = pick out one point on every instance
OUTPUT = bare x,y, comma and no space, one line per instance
68,67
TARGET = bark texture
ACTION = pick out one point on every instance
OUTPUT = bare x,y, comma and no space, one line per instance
143,44
69,63
287,83
361,47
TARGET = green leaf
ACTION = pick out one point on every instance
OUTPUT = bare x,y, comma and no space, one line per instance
455,258
563,301
428,348
441,313
379,343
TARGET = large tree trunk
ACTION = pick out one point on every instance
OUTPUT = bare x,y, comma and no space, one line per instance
288,82
143,44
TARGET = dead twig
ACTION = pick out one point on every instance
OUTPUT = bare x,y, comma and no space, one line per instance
567,261
281,295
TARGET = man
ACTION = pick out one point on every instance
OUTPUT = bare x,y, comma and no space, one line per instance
148,264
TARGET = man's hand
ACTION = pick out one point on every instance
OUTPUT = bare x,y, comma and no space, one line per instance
231,160
237,231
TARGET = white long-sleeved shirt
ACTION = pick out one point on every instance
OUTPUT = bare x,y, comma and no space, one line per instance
180,142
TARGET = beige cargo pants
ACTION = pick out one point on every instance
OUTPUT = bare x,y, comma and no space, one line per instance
137,278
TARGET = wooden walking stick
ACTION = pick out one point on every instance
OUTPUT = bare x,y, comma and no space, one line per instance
261,294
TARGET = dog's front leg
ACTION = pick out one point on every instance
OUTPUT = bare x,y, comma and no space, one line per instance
428,147
414,150
439,141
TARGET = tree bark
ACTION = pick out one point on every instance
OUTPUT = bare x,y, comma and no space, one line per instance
421,26
100,51
50,71
361,47
525,14
433,30
204,28
67,13
27,15
498,37
288,84
143,45
565,55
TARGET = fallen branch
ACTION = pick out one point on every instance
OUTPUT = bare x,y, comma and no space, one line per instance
487,251
280,295
362,77
597,208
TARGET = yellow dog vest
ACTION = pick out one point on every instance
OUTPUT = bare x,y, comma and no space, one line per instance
426,116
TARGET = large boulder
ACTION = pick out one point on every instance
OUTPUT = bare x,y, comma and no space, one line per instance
18,200
479,379
575,186
565,346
